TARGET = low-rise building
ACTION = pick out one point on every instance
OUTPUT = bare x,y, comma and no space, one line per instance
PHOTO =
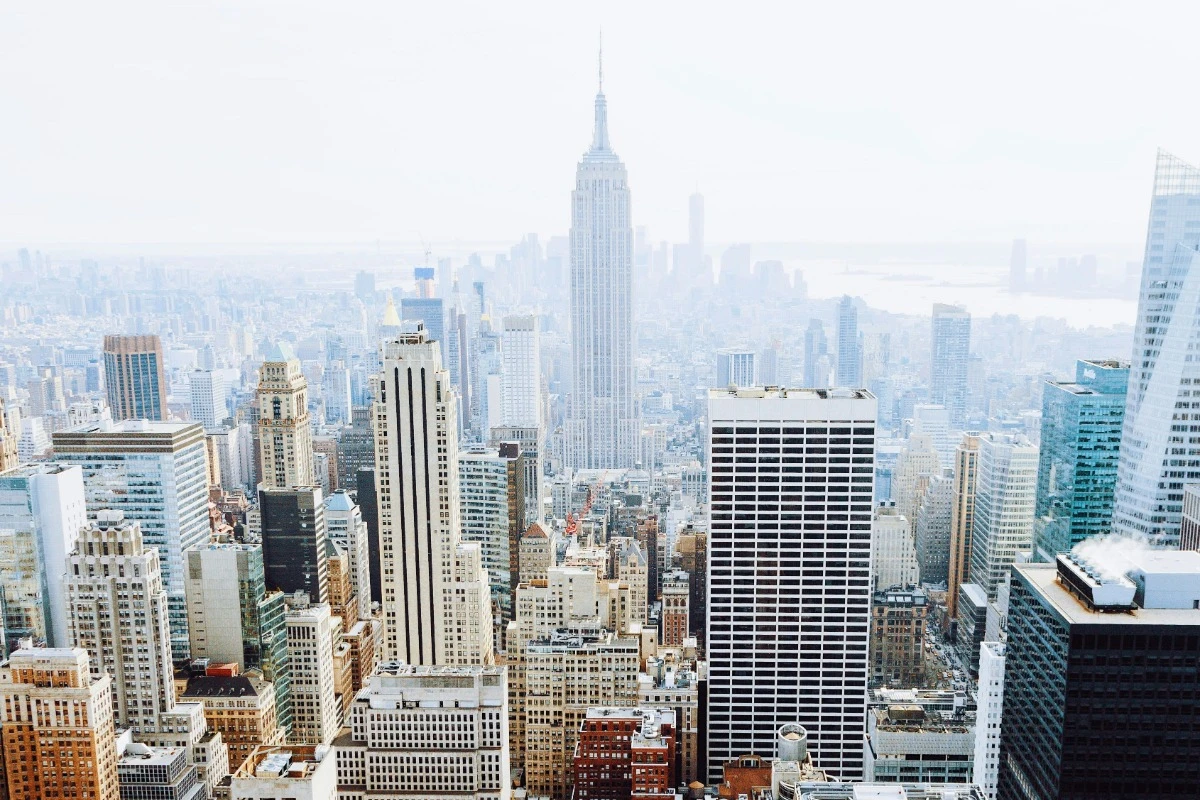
241,709
907,744
898,624
295,772
160,773
626,753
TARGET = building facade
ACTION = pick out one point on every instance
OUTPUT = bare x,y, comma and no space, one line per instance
284,433
810,615
1004,506
295,555
951,350
962,519
133,377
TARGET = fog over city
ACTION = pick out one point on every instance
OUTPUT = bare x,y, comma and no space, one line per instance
532,401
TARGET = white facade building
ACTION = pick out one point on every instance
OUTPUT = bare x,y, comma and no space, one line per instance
736,367
1005,496
603,426
416,482
988,717
42,510
806,466
420,733
521,356
893,553
316,708
209,395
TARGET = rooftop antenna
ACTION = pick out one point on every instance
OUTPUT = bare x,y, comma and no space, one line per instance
600,67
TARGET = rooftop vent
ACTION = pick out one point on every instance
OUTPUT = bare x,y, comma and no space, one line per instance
1099,592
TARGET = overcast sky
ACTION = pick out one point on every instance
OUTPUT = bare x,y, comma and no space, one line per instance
357,121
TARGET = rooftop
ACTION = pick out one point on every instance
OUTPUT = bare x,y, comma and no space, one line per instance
287,762
780,393
1044,580
220,686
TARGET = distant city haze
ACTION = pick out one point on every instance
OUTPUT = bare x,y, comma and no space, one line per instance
300,123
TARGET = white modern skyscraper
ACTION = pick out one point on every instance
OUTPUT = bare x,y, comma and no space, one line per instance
602,429
284,435
119,616
1160,443
951,350
789,598
1004,502
42,510
208,398
988,718
522,356
316,708
156,474
416,483
736,367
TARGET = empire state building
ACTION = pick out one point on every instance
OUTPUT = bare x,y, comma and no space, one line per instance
603,427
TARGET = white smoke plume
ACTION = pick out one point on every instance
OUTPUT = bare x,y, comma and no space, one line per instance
1113,555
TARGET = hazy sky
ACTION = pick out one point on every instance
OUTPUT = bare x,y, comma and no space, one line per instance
356,121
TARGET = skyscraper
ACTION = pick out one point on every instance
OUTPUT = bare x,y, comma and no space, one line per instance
736,367
816,348
1102,679
133,376
155,474
1004,503
119,616
1017,263
602,428
8,442
208,398
849,352
316,712
701,274
1159,450
522,372
1077,463
789,587
345,527
492,511
293,541
416,482
962,519
951,342
432,313
284,435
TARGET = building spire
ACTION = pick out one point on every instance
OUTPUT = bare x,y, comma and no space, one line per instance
600,132
600,63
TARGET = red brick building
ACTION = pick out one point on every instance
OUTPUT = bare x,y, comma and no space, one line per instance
626,753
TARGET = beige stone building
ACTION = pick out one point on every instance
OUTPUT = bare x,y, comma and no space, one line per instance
241,709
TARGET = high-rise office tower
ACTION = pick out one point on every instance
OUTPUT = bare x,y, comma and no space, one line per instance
41,513
788,641
932,540
962,519
133,376
492,513
1078,455
335,390
698,271
916,466
345,527
1004,503
233,618
1017,263
951,351
1101,679
988,718
8,442
284,435
849,344
356,447
602,428
816,348
934,421
1159,450
119,616
416,482
460,752
293,541
208,398
893,556
521,353
736,367
429,311
56,725
316,708
155,474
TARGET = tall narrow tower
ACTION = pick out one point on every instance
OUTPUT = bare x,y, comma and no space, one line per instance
133,374
284,435
602,425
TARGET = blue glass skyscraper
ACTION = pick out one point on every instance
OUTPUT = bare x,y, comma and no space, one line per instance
1077,467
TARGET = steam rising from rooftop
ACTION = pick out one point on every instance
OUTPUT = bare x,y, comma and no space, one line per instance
1112,556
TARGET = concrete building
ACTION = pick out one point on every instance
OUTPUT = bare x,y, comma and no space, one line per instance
284,433
1004,507
235,619
934,520
971,624
962,519
155,474
295,772
209,398
492,514
535,554
989,717
531,443
916,466
421,733
345,527
42,510
736,367
416,481
679,686
133,376
1077,628
898,624
294,540
241,709
602,428
567,673
754,677
910,744
118,614
893,555
157,772
691,548
316,712
522,372
56,726
626,753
